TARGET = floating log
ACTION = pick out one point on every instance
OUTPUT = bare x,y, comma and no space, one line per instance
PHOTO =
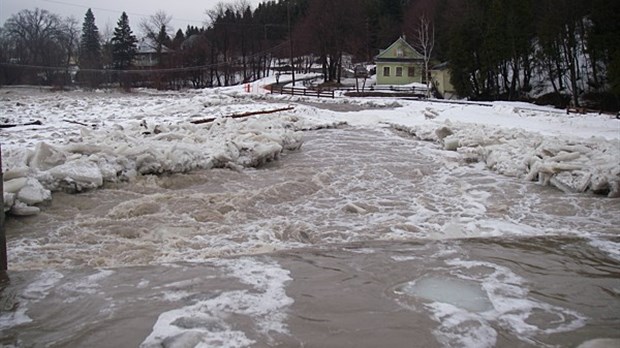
80,123
8,125
245,114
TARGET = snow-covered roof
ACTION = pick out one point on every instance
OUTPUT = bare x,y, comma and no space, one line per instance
440,66
145,47
408,52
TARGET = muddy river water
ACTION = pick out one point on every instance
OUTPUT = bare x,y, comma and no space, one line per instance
363,238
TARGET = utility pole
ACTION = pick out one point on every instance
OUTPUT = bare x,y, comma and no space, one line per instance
3,257
290,39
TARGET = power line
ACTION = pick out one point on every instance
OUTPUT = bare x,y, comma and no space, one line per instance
117,11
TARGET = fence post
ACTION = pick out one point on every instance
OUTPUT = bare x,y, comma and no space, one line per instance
3,256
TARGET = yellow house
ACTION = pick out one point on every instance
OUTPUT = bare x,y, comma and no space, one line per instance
440,77
399,64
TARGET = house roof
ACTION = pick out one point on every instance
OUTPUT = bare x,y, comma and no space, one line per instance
441,66
409,53
144,47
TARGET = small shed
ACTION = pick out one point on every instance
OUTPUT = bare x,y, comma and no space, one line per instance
440,77
399,64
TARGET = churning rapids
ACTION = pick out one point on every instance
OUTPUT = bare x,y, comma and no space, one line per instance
363,238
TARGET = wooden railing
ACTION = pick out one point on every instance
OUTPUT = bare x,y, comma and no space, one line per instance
303,92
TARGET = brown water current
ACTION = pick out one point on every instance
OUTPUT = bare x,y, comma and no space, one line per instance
363,238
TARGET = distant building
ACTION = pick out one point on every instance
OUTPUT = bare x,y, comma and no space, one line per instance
147,56
440,77
399,64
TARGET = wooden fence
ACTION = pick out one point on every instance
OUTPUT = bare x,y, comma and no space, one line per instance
303,92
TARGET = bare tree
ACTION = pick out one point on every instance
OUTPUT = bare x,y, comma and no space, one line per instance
107,33
331,28
425,40
218,11
152,26
241,5
70,37
36,36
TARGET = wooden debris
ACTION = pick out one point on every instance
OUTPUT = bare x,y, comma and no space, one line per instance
81,124
245,114
35,123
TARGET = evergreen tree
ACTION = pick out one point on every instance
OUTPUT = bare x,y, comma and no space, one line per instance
90,51
162,40
90,47
123,44
178,40
605,44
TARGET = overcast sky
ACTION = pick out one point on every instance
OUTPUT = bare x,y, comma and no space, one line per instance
107,12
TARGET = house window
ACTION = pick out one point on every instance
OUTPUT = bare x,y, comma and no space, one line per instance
400,53
386,71
399,71
411,71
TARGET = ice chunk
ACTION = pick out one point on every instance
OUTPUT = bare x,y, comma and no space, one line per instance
9,200
563,156
572,182
451,143
77,176
33,192
13,186
354,209
461,293
21,209
430,114
46,156
15,173
443,132
14,159
614,189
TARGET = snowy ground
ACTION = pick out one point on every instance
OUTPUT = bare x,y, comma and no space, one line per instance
89,138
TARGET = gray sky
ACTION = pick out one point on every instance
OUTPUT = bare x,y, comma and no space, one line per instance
107,12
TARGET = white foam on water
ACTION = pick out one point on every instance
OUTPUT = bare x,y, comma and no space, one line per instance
210,322
178,295
41,286
461,328
405,258
601,343
478,298
364,251
86,286
14,318
36,291
607,246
